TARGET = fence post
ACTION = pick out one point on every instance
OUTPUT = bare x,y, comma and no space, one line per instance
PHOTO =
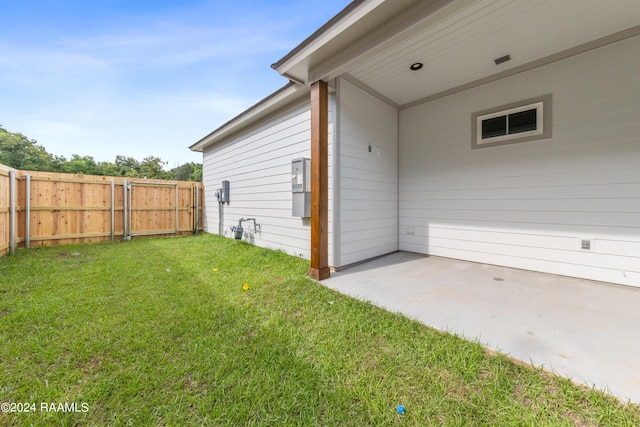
177,217
124,223
197,207
12,211
113,209
27,220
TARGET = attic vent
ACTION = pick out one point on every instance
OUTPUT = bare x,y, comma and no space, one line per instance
502,59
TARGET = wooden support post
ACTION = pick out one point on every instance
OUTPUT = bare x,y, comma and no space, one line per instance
319,268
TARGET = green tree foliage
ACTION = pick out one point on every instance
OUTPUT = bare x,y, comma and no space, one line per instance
188,172
85,164
127,166
153,167
19,152
196,175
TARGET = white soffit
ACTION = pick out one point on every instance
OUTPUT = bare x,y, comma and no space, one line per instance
344,30
461,48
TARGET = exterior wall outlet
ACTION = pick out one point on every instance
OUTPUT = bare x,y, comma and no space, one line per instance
586,245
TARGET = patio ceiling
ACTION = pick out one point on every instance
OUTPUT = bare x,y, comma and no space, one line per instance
457,41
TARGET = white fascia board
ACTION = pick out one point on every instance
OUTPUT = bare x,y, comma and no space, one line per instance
404,25
282,97
324,35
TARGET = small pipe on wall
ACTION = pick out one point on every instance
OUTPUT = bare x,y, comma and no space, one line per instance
238,231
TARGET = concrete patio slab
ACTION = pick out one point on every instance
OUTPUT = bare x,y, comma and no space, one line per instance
584,330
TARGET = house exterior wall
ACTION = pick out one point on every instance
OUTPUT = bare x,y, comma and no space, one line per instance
530,205
368,193
257,164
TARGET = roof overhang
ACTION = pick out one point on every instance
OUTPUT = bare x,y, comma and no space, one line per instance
350,30
375,42
286,95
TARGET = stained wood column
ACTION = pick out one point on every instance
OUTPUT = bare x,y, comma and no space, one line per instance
319,269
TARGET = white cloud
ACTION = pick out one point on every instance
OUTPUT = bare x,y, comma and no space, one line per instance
161,125
150,84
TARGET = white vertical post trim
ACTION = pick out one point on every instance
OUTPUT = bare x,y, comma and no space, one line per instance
336,165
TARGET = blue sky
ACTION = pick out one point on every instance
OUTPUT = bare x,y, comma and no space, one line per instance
138,78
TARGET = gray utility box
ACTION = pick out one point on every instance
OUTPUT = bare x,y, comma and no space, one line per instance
301,187
224,192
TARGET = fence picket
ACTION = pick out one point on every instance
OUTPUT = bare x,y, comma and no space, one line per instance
68,208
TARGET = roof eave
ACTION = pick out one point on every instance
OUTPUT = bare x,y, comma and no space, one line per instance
353,11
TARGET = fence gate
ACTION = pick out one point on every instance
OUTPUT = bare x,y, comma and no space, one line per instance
151,208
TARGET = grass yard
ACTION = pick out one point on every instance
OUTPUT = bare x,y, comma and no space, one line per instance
163,332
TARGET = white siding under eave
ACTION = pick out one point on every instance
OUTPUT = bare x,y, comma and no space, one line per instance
530,205
257,164
368,193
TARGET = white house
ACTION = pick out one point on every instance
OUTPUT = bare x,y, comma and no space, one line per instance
504,132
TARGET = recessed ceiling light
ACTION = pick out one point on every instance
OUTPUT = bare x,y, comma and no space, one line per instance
416,66
502,59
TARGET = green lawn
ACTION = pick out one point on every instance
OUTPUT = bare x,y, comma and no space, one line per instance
162,332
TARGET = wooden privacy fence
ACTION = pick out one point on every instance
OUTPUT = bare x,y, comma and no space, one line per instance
45,208
5,205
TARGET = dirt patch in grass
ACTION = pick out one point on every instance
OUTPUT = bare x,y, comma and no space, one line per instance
93,365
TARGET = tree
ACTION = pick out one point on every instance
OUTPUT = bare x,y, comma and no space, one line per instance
81,165
153,167
57,163
127,166
196,175
187,172
17,151
108,169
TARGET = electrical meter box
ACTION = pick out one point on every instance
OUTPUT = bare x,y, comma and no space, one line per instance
301,187
224,192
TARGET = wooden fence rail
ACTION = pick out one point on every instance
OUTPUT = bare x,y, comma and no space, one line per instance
46,208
